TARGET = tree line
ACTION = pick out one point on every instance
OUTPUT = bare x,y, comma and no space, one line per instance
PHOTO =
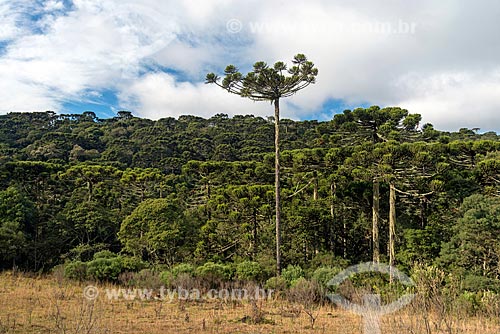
370,184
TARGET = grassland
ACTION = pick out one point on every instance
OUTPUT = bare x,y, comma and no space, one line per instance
49,304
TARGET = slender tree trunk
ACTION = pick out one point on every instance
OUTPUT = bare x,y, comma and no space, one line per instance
333,191
316,185
423,207
254,234
375,220
392,226
90,188
344,240
277,183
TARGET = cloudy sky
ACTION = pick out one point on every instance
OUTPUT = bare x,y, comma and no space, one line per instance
437,58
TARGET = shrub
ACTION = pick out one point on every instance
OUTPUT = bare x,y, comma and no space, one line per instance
147,278
105,254
323,275
76,270
308,294
304,291
214,273
249,271
166,277
291,274
133,264
490,303
182,268
470,302
185,281
268,264
105,269
127,279
276,283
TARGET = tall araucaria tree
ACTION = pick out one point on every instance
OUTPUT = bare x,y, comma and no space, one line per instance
270,83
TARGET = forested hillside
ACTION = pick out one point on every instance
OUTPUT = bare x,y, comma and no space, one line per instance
194,190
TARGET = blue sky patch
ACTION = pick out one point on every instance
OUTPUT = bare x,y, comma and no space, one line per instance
105,104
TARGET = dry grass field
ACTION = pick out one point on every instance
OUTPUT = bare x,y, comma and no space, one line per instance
52,305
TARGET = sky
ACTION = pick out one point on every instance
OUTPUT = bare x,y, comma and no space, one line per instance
440,59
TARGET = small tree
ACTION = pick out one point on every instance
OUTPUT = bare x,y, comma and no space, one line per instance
155,231
267,83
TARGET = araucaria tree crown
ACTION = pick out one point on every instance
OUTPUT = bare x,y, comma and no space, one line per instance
266,83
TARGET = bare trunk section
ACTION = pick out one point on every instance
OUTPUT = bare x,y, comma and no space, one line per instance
316,185
333,194
375,221
90,188
392,226
277,183
254,234
344,240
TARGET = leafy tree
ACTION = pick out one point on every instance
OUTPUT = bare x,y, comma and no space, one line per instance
16,213
266,83
155,231
474,247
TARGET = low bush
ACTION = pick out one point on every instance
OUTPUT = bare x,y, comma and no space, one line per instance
183,268
249,271
323,275
215,274
276,283
133,264
291,274
105,254
166,278
148,278
305,291
76,270
104,268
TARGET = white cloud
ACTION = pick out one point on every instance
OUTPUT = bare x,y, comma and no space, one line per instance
159,95
94,47
10,17
53,5
457,100
444,70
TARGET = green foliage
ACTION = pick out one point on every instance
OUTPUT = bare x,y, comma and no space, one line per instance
292,273
183,268
76,270
16,213
268,83
476,283
327,260
276,283
323,275
105,268
186,271
215,272
105,254
249,271
154,230
194,190
166,277
133,264
475,240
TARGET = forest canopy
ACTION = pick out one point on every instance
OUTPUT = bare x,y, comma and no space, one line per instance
195,190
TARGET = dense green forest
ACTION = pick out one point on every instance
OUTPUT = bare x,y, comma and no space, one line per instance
194,190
